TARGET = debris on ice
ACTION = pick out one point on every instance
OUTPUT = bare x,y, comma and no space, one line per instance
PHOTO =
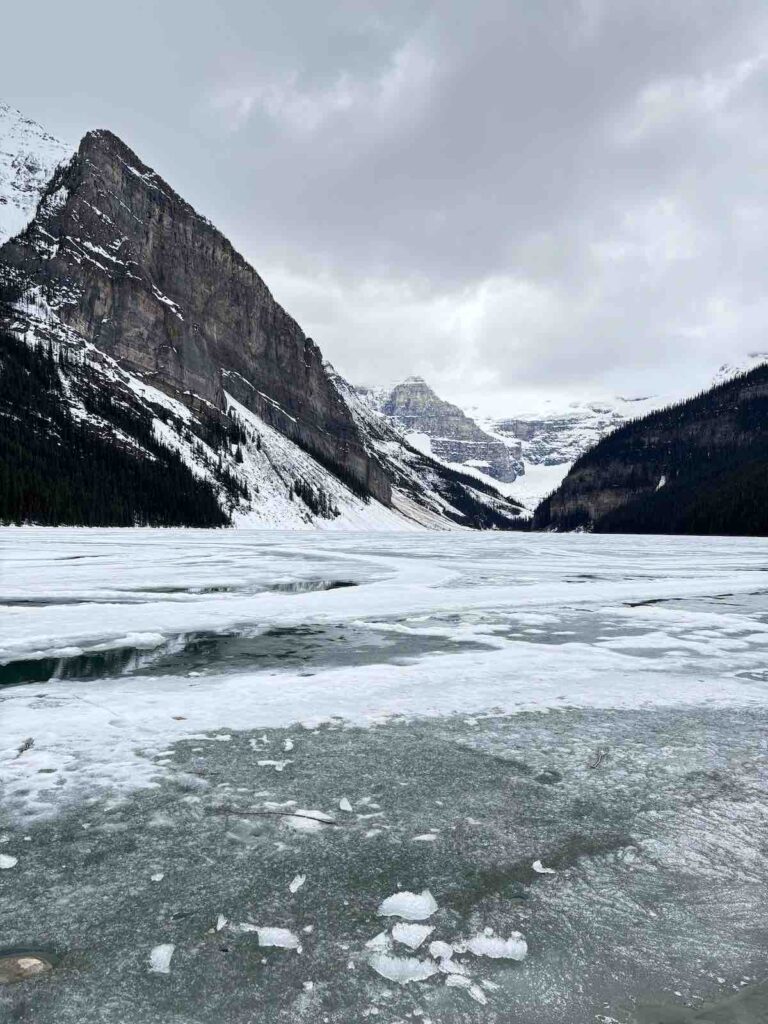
409,905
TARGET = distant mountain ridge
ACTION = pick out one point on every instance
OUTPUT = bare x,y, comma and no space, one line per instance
140,301
445,430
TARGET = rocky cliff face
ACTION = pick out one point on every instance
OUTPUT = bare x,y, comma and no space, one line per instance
453,436
135,270
700,466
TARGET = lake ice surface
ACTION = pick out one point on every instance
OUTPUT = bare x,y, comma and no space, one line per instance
596,705
180,632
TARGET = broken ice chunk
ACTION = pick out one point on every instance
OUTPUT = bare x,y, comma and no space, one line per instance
513,948
457,981
539,868
158,877
277,765
221,922
304,820
409,905
160,958
344,804
6,861
297,883
441,950
287,744
477,994
402,969
411,935
427,837
282,938
379,942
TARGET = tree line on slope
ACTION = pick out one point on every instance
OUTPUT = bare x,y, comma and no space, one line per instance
56,469
698,467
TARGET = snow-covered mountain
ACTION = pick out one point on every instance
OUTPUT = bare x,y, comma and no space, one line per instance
439,428
28,157
166,348
733,369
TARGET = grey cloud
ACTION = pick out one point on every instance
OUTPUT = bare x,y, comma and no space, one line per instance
505,196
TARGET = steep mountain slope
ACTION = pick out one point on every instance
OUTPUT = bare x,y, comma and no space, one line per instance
444,429
28,158
143,308
697,467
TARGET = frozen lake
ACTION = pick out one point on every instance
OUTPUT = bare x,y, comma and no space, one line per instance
229,712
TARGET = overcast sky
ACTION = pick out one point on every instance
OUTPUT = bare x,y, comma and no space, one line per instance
514,199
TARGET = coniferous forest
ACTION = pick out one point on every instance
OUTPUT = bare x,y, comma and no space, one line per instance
699,467
56,469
